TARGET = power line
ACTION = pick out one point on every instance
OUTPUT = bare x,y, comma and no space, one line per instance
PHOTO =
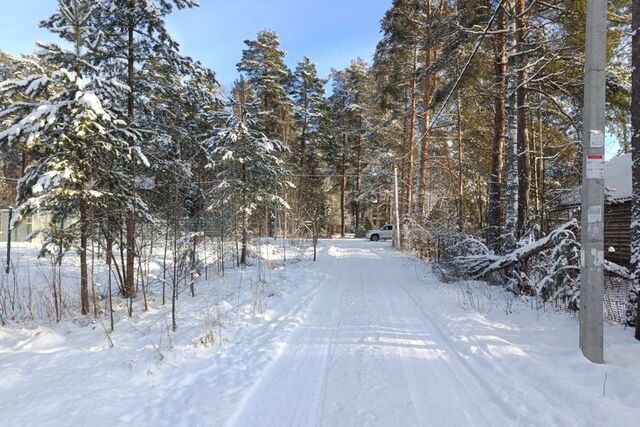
219,181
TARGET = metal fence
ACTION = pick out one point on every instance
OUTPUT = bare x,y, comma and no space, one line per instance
616,294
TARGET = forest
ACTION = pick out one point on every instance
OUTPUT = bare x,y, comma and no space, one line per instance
434,230
130,147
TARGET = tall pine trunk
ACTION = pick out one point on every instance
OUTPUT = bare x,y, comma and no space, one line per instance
512,187
109,255
245,222
460,186
425,141
302,161
404,155
524,163
494,213
131,221
343,186
84,285
407,199
359,144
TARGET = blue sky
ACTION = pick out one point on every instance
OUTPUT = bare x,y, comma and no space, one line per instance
331,32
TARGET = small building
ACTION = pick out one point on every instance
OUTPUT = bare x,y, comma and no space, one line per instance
24,229
617,210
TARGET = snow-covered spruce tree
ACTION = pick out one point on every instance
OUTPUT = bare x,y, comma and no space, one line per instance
12,158
179,116
263,65
133,33
63,117
562,281
246,161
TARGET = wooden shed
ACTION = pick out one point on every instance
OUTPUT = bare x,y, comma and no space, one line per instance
617,210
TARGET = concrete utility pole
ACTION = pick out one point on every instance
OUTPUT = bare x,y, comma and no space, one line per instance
396,210
592,216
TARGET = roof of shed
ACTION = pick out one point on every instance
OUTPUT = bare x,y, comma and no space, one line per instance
617,182
617,178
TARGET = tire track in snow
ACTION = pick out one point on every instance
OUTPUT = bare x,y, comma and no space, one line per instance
405,368
260,393
330,355
178,391
327,375
431,382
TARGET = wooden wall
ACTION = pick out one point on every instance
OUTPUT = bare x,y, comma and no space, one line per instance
617,222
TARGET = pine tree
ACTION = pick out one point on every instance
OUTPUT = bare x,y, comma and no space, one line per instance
494,196
12,157
402,50
350,104
246,161
524,157
263,65
72,133
562,281
310,106
134,33
511,175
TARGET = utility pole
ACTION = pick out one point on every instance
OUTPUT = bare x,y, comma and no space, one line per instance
592,216
396,210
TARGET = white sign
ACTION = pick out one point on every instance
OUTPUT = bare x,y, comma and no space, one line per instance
595,166
598,257
596,138
594,214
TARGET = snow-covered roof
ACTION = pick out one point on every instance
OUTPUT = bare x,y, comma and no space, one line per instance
617,182
617,178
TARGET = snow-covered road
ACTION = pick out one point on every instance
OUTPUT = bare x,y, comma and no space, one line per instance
371,353
376,348
364,337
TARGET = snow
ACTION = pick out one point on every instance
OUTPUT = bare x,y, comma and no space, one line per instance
617,177
141,156
617,182
36,84
92,102
366,336
50,179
